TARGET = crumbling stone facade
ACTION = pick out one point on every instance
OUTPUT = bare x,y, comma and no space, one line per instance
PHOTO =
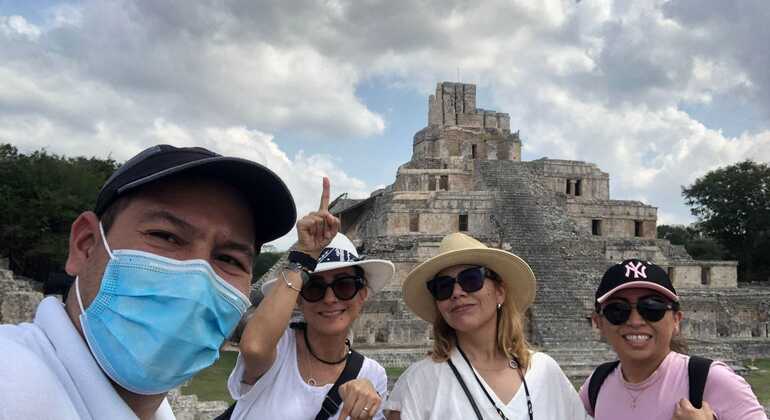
466,174
19,297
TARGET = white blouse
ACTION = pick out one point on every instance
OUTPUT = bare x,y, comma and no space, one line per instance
429,390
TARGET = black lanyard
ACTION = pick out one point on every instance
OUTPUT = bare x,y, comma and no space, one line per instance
523,381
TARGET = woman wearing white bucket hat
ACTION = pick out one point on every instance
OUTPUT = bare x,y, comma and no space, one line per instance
308,370
481,366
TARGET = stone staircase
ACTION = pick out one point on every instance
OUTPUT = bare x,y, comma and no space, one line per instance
566,263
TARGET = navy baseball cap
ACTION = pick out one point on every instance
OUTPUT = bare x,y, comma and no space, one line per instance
638,274
271,202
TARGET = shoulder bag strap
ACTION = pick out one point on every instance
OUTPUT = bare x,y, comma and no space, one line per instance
227,414
698,371
597,379
333,400
465,389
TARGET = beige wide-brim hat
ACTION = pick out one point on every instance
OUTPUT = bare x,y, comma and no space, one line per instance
461,249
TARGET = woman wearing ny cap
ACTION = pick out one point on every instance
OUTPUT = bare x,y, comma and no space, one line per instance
637,312
287,372
481,365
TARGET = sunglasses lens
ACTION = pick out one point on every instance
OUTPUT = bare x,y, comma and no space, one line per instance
471,280
617,312
441,287
652,309
313,290
345,287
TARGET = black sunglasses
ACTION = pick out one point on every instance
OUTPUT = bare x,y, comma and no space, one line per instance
470,280
344,288
651,308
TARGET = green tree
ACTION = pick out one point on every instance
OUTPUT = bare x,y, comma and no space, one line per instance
677,234
40,195
698,245
263,263
733,206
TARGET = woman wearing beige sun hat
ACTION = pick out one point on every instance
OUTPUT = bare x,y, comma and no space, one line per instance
481,365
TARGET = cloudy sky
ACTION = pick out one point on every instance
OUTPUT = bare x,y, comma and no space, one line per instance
655,92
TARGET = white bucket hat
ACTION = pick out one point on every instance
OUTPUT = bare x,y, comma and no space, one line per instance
342,253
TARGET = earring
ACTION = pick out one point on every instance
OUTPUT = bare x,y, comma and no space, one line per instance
499,306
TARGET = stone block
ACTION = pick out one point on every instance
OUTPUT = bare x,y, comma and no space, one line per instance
470,120
19,306
209,410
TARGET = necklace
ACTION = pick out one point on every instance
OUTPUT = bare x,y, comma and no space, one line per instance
328,362
634,398
511,364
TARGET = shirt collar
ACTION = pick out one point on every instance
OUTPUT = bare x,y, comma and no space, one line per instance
72,352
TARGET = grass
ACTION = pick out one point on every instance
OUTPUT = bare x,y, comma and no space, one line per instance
394,372
211,384
760,379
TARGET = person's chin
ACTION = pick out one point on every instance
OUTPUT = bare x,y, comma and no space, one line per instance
637,352
332,323
465,324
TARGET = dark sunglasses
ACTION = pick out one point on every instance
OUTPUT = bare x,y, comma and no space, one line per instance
344,288
470,280
651,308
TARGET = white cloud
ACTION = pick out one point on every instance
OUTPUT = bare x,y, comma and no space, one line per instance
302,174
602,81
18,27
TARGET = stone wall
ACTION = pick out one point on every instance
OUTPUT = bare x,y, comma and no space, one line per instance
704,274
555,174
617,219
455,104
19,297
466,143
188,407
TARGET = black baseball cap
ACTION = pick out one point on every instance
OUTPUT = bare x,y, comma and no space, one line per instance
271,202
635,273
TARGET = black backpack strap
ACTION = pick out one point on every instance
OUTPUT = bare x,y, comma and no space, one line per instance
597,379
227,414
465,389
333,400
698,371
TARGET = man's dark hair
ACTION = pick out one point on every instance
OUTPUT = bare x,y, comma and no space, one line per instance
113,211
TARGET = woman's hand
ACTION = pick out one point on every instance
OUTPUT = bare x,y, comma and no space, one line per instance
317,229
359,399
686,411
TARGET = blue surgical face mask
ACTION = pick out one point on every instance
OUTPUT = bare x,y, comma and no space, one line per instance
156,321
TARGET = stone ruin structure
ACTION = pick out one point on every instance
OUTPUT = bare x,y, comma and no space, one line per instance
466,174
19,296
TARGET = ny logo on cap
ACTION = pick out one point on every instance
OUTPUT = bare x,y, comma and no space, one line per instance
639,270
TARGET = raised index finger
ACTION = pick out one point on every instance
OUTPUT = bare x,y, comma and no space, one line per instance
324,196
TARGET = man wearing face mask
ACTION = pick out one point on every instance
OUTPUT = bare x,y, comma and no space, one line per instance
163,266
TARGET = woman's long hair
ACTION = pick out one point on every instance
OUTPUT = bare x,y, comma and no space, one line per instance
510,331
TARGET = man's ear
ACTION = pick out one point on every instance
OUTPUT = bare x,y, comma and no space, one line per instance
84,238
597,321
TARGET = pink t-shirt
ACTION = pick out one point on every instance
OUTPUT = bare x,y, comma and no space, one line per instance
655,398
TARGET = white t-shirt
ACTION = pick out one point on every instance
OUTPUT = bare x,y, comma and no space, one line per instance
429,390
48,372
281,393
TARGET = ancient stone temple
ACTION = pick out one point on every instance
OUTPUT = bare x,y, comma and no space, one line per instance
466,174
